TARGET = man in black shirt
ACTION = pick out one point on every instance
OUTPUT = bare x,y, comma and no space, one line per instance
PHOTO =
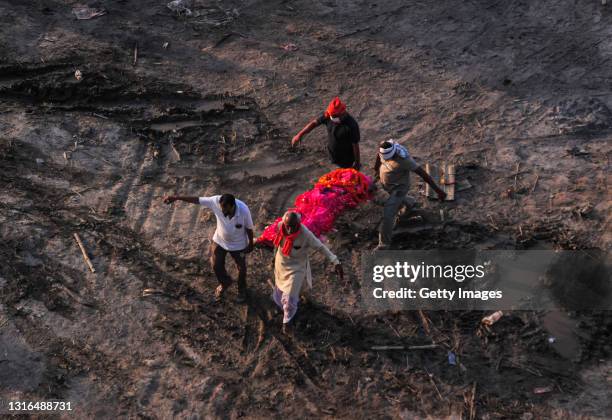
342,135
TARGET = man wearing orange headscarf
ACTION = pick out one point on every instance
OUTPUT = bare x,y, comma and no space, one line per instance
342,135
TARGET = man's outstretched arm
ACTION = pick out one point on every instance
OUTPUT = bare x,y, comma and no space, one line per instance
307,129
420,172
169,199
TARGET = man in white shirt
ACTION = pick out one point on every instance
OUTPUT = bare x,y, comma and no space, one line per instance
234,235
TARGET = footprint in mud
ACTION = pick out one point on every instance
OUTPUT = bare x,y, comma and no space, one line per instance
150,389
562,330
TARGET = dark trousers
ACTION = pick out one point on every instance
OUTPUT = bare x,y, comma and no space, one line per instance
217,260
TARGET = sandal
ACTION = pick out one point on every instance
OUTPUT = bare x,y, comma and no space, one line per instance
219,293
242,296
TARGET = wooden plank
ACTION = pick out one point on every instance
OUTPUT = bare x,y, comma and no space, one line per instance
85,257
444,177
434,173
449,181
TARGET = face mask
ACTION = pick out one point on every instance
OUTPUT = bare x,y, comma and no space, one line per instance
335,120
290,229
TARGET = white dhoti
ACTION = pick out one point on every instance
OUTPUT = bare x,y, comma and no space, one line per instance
291,270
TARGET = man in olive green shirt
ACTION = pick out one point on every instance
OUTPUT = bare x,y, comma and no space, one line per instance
393,166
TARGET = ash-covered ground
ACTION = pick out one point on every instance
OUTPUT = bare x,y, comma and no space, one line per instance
207,102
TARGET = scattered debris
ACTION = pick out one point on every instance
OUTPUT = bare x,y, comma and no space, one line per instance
289,47
180,7
462,185
39,161
472,405
387,347
165,45
493,318
176,152
78,75
433,382
584,210
493,225
581,115
516,174
551,340
508,193
424,347
577,151
151,292
86,12
135,55
542,390
84,252
452,358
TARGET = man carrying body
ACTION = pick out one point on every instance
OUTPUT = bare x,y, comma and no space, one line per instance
234,235
393,165
342,135
292,243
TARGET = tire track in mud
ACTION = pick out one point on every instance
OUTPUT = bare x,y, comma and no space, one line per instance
120,197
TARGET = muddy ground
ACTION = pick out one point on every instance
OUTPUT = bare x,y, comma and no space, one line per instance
207,103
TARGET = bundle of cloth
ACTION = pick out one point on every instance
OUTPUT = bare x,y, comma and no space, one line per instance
333,193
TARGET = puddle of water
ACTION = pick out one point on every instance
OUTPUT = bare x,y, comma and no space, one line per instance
563,329
207,106
175,125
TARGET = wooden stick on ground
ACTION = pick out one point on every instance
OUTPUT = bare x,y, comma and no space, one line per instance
424,322
423,347
387,347
85,257
535,183
472,406
433,382
176,152
518,166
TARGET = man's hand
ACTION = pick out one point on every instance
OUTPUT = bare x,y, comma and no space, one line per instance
339,271
296,139
169,199
249,248
441,195
356,166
